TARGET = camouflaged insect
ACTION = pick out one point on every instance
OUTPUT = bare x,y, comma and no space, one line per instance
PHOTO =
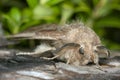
74,43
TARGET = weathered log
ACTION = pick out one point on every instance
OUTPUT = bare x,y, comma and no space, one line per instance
35,68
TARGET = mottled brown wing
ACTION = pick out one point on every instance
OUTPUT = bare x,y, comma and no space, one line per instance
42,27
44,32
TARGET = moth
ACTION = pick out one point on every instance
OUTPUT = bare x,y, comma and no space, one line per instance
74,43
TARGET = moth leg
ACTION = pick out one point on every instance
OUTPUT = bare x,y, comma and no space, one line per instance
100,68
69,59
96,61
56,56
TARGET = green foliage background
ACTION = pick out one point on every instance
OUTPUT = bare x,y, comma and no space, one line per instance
102,15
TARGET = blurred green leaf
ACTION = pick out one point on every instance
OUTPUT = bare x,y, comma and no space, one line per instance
13,27
115,6
41,12
54,2
15,14
108,22
27,15
83,7
101,9
42,2
67,11
95,2
32,3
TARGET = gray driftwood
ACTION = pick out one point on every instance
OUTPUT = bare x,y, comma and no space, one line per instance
34,68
